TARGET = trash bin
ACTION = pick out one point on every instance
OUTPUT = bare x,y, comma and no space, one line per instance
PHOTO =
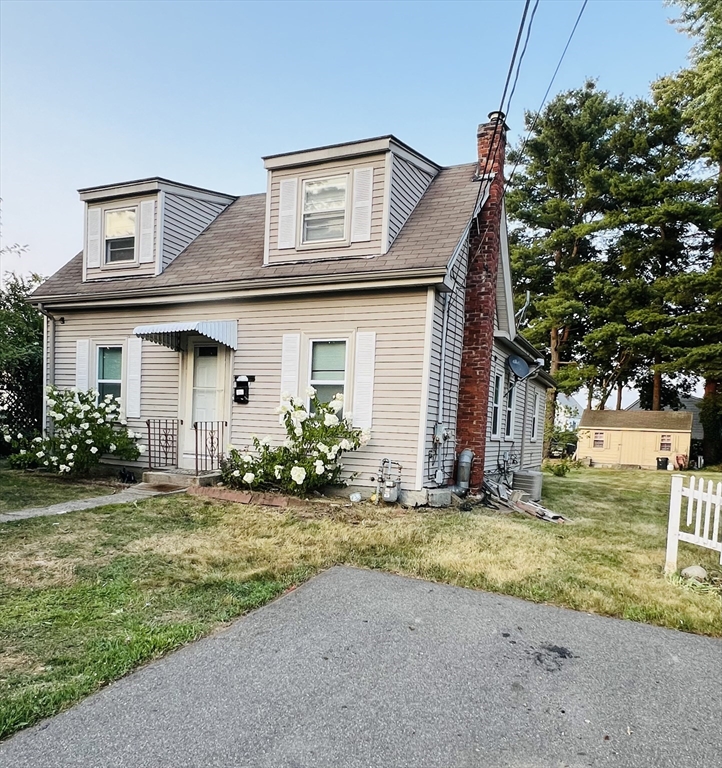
662,462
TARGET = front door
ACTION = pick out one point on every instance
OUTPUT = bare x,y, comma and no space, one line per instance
205,398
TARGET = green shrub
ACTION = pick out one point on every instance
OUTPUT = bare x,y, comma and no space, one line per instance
309,457
84,429
562,467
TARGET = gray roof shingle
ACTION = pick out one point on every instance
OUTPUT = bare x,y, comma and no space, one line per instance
231,249
654,420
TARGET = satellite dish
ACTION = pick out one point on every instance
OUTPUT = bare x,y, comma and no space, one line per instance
518,366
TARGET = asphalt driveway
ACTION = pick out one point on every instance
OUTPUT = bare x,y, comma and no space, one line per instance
359,668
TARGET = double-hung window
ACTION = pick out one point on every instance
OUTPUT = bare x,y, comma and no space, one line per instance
110,371
665,443
509,424
496,407
324,209
598,440
119,233
535,416
328,369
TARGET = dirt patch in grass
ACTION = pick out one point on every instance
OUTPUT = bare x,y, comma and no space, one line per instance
88,598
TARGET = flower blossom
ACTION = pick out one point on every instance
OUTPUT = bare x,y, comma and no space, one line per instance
277,471
298,475
320,468
330,420
310,392
249,477
236,473
93,450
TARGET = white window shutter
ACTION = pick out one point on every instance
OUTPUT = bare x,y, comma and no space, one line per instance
82,361
147,226
290,358
363,181
363,380
287,213
92,240
132,377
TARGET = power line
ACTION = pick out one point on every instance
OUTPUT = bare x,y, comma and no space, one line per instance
546,94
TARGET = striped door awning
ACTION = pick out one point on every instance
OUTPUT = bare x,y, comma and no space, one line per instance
171,334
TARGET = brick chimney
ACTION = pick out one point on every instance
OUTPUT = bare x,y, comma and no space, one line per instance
484,254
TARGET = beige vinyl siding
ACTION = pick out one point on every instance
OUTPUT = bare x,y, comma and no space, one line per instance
452,373
184,218
129,269
397,318
408,184
369,248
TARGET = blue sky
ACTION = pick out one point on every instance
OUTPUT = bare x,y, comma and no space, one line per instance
99,92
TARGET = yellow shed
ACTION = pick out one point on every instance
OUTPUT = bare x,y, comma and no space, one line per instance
634,438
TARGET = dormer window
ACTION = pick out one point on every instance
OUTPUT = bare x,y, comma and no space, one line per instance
324,209
120,235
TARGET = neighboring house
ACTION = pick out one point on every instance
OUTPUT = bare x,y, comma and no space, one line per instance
634,438
689,404
352,274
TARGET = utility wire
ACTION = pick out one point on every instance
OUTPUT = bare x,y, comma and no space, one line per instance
546,94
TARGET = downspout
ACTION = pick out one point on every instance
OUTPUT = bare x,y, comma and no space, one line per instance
48,358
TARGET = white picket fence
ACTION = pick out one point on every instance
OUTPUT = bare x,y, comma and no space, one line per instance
703,508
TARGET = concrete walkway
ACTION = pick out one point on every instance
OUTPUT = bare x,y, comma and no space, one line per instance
358,668
128,495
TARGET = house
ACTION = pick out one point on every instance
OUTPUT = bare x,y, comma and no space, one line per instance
567,414
365,268
634,438
690,404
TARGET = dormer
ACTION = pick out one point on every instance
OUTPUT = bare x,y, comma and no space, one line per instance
137,228
342,201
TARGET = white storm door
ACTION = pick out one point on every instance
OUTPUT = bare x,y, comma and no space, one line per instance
206,397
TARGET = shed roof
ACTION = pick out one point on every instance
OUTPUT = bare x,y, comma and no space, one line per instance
230,252
674,421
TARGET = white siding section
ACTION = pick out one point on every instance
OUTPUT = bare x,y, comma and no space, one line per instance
184,218
288,201
408,184
363,386
451,374
134,356
363,182
82,364
397,319
92,245
290,362
146,254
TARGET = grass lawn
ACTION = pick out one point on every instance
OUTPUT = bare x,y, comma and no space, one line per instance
85,599
19,490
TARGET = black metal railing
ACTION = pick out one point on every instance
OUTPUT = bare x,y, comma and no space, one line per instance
209,444
163,442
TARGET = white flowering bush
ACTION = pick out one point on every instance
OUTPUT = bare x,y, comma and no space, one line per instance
309,457
84,429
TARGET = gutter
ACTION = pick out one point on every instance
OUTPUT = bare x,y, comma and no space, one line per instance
271,287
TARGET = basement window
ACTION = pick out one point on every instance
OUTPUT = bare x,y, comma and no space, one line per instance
665,443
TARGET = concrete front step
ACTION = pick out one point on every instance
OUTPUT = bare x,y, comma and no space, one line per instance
181,479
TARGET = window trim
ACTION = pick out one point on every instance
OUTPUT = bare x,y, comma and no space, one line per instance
509,408
661,442
595,439
535,419
104,263
496,395
348,205
121,381
310,381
